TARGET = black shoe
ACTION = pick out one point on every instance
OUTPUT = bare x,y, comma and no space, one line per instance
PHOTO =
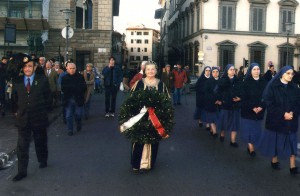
43,165
70,133
294,171
19,177
222,138
207,128
275,166
252,154
214,135
201,124
233,144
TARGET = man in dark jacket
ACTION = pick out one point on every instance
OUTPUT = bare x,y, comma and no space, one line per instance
29,103
73,86
3,65
113,76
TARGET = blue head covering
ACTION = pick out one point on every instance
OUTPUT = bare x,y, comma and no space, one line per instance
248,74
276,77
203,72
225,74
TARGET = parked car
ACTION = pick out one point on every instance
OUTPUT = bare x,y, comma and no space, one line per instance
194,79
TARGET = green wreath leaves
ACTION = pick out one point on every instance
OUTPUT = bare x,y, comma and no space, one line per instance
143,131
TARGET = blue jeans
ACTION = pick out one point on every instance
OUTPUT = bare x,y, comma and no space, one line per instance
177,95
72,110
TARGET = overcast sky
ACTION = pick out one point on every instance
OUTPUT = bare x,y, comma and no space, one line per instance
136,12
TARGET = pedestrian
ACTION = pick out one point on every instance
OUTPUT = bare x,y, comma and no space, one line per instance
188,76
279,140
241,74
179,81
52,76
41,66
168,78
271,71
29,104
73,87
126,76
3,78
113,76
252,107
200,97
145,143
89,78
230,94
139,75
212,101
61,93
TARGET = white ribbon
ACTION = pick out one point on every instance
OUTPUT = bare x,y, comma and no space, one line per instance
133,120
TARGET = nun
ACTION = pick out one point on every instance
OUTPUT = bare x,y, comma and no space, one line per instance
200,93
212,101
230,94
252,107
279,140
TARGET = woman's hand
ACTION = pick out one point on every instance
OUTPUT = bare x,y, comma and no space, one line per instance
288,116
236,99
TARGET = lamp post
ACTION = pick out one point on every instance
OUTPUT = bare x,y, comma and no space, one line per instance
83,12
288,28
67,15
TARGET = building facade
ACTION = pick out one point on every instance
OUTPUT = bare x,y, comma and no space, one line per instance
142,44
219,32
39,25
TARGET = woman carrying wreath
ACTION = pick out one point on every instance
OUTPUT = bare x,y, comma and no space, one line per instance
151,95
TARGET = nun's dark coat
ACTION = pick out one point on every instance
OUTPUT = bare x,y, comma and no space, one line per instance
281,99
252,91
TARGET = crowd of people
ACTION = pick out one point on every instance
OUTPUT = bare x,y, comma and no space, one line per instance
263,109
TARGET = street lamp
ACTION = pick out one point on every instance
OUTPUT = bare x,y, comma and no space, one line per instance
67,15
288,28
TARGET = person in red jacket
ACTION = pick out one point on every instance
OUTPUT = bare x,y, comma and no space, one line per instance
139,75
179,80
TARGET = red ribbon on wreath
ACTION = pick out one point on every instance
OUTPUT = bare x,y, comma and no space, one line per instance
155,122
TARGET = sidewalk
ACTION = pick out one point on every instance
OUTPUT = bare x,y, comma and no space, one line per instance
9,135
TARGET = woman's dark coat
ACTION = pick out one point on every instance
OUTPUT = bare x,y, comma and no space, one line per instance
252,91
211,96
200,93
281,99
228,89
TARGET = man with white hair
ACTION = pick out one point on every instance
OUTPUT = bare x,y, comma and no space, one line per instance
139,75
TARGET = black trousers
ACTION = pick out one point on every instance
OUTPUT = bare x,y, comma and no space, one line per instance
110,98
41,148
137,152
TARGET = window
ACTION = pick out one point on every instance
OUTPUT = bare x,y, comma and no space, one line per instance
139,33
257,19
145,49
138,41
145,58
132,33
283,53
226,52
139,49
257,54
286,16
132,58
146,33
131,41
227,16
138,58
146,41
131,49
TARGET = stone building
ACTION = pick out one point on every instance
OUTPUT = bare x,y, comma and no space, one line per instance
91,20
219,32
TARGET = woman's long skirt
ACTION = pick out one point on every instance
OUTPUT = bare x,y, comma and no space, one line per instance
251,130
229,120
143,156
273,144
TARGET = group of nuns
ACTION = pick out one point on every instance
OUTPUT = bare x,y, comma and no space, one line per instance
264,112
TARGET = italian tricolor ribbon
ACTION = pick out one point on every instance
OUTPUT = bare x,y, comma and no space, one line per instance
152,116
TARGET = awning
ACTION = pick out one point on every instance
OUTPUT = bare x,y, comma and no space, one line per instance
27,24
